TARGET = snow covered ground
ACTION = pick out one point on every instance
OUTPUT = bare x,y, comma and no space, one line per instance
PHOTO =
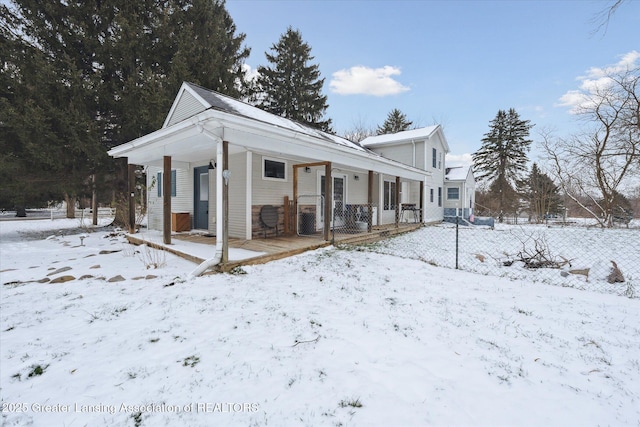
574,248
331,337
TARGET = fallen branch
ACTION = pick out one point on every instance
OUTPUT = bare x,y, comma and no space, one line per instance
304,342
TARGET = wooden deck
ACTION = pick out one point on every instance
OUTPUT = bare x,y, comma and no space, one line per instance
278,247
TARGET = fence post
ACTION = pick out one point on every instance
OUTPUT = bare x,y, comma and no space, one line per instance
457,227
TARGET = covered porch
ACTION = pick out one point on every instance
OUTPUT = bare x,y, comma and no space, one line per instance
197,247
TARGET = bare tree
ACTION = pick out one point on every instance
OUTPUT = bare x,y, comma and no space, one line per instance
359,131
602,18
593,166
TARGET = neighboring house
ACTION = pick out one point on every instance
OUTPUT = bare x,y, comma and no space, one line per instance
460,191
423,148
223,163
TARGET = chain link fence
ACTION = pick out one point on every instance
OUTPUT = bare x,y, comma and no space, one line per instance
577,256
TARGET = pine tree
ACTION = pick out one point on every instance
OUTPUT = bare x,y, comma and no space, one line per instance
291,87
502,158
92,75
395,122
542,194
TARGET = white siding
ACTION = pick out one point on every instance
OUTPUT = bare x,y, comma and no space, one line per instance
187,106
402,153
270,192
182,202
238,196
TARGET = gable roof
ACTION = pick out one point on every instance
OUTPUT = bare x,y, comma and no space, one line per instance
457,173
406,136
210,99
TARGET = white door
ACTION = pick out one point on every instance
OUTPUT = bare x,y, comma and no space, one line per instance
339,198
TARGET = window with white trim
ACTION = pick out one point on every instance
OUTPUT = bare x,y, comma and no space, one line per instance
389,195
173,183
273,169
453,193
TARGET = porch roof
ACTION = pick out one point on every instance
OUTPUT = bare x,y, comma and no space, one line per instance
248,128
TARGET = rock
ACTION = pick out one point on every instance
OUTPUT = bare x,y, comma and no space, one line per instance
150,276
107,252
480,257
582,271
62,279
60,270
564,274
95,266
117,278
85,276
45,280
138,278
616,275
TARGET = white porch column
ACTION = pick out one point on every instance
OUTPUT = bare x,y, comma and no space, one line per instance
219,207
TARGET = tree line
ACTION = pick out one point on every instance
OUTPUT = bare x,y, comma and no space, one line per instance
588,171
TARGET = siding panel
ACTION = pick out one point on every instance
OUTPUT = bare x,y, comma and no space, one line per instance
187,106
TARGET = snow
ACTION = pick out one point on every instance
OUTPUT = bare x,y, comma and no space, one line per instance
329,337
235,106
458,173
419,133
199,250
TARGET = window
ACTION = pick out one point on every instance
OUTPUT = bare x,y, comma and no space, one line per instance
431,195
434,155
173,183
453,193
440,196
440,161
274,169
389,195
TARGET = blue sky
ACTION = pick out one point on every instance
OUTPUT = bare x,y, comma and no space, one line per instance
450,62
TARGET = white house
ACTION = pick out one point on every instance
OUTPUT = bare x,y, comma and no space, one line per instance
228,168
425,149
460,192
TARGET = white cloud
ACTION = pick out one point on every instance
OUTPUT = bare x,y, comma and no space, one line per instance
367,81
596,79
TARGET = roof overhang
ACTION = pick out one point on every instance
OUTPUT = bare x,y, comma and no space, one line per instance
195,139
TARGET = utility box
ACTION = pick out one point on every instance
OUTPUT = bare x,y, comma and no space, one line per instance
180,221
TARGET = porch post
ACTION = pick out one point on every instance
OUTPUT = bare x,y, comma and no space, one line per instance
225,203
397,201
295,199
421,200
166,201
328,200
370,202
131,175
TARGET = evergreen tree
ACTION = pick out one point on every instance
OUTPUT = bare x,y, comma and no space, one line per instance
502,158
92,75
291,87
49,142
396,122
542,194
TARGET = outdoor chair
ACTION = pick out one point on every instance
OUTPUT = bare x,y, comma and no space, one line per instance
269,218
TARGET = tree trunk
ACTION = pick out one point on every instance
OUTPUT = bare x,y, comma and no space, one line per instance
71,205
120,195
